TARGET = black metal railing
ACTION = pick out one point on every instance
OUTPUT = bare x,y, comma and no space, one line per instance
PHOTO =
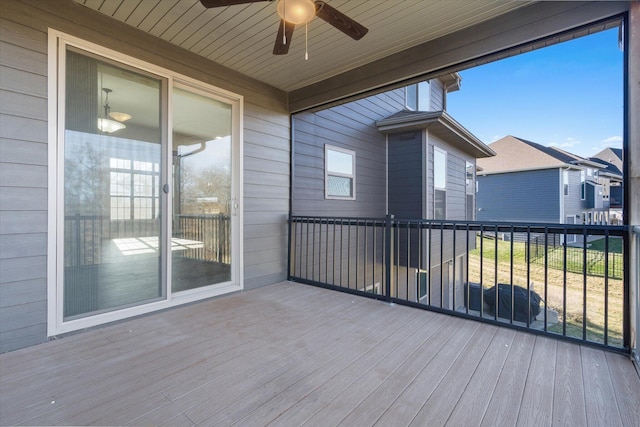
200,237
481,270
212,232
555,253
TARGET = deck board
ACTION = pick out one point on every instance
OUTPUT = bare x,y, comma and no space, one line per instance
473,403
568,400
536,408
504,404
291,354
599,390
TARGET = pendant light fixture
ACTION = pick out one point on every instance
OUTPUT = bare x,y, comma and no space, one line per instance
107,125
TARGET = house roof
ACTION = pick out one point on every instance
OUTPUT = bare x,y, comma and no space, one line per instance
517,154
609,169
441,124
611,156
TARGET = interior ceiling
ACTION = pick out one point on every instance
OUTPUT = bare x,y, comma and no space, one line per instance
241,37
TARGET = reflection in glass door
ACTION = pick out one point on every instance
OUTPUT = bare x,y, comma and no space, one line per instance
202,201
112,168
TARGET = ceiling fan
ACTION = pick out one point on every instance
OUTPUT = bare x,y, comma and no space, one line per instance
294,12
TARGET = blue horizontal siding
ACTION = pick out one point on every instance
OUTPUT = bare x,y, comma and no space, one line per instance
528,196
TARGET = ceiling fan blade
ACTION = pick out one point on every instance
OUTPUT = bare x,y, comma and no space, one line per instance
222,3
340,20
285,29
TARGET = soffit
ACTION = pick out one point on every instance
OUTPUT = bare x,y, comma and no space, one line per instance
241,37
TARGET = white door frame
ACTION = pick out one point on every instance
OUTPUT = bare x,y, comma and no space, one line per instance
57,45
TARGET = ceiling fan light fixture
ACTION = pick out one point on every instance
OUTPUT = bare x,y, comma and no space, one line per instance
296,11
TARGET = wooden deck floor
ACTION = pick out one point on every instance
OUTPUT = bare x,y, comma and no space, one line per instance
291,354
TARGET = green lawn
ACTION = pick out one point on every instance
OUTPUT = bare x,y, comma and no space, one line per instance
550,284
615,245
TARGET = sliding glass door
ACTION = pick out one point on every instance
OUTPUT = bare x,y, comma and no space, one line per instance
112,165
201,156
146,181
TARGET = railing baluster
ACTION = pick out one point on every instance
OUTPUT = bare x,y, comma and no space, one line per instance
564,285
333,262
481,272
467,290
454,267
584,284
366,256
408,259
419,263
429,266
388,236
495,272
529,275
349,254
341,248
606,287
546,276
313,251
442,265
511,275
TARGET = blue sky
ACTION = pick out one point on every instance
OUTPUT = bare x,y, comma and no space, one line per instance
569,95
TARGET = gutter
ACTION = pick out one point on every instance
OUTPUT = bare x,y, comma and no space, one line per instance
426,119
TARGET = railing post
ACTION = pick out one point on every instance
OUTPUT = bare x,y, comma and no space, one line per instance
388,238
290,245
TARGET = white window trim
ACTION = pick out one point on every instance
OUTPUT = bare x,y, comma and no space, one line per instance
57,45
445,167
352,153
435,188
406,97
424,92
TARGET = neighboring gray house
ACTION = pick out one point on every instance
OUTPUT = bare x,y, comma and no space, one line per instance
612,158
401,161
528,182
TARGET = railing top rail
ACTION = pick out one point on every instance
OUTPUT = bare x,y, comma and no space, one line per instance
489,226
338,220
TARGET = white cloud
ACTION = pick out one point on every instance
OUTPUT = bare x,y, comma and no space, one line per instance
568,143
612,141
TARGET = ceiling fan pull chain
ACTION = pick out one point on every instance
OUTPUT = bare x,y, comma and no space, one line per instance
284,33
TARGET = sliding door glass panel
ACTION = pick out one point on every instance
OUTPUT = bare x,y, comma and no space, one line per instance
201,237
112,166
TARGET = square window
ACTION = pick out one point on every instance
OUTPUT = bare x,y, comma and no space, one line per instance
340,166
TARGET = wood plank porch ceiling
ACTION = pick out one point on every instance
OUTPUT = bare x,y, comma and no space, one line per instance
291,354
241,37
